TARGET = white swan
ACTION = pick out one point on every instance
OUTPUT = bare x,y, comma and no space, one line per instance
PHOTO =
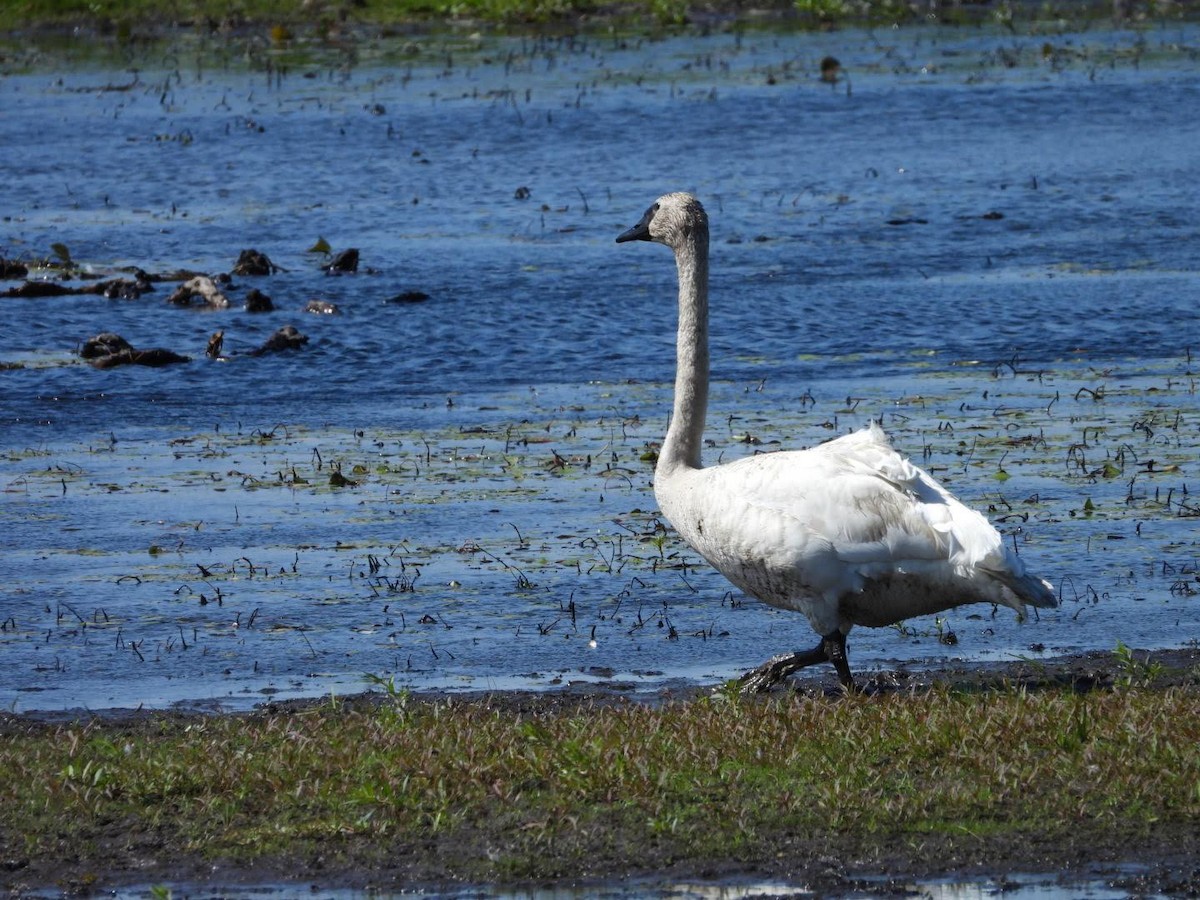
848,532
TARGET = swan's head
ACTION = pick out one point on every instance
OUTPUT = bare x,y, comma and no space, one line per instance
674,220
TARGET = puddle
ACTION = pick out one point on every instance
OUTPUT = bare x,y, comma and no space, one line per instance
1023,887
1015,887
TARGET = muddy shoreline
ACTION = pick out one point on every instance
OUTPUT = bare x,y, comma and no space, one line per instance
1164,860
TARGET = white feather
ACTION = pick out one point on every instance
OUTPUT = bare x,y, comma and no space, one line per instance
848,532
848,520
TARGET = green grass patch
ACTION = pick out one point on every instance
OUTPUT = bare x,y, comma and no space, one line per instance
281,16
299,14
496,790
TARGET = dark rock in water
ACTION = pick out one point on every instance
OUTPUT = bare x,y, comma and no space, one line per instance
104,344
10,268
321,307
154,358
176,275
408,297
107,350
122,288
257,302
113,289
40,289
286,338
158,357
346,261
251,262
199,291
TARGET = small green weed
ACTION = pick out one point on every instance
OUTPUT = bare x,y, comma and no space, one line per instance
1134,672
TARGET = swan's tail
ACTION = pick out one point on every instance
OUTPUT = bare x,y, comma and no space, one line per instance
1031,589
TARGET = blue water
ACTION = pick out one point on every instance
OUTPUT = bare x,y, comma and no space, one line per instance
999,260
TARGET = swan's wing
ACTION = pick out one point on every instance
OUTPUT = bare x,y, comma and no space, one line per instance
807,527
973,546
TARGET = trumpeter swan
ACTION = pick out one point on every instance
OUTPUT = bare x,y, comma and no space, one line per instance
848,532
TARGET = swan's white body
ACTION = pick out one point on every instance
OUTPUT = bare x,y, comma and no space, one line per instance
848,532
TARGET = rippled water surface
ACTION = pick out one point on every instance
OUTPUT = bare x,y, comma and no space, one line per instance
987,239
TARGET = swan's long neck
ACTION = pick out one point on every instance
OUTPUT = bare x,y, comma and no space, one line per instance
686,432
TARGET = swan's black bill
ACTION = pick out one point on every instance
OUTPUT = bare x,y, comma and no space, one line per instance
640,231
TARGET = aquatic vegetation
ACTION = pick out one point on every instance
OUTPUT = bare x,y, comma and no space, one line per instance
302,542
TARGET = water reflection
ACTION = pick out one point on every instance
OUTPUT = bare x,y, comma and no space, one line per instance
1013,887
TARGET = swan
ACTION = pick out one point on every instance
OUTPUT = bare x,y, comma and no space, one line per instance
848,532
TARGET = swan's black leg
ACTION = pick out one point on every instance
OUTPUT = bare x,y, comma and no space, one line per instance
835,650
832,649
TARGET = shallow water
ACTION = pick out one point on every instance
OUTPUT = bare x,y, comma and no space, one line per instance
1018,887
986,239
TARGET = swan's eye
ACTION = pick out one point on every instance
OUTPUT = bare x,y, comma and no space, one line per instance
654,208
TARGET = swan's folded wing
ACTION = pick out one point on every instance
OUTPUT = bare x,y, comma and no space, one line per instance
871,509
862,515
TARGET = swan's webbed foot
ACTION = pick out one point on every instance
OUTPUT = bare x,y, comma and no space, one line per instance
773,671
832,649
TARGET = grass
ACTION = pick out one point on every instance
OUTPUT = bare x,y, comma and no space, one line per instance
491,792
301,14
122,16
